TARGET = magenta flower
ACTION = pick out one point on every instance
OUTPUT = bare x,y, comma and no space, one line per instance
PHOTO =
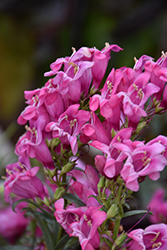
112,164
144,160
159,211
94,131
65,217
153,237
136,97
86,228
22,181
12,224
33,145
69,126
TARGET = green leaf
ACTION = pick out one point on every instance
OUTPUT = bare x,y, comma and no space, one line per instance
73,242
62,242
34,204
74,198
46,232
135,212
56,228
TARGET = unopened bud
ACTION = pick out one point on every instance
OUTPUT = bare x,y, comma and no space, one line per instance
46,201
66,168
59,193
54,143
51,172
140,126
121,239
113,133
101,184
113,210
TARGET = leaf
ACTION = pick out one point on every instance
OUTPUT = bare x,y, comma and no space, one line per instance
34,204
62,242
46,232
56,228
135,212
74,198
73,242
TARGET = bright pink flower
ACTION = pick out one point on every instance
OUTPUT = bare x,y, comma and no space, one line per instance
112,164
69,126
137,240
140,63
94,131
86,228
22,181
158,72
33,145
136,97
144,160
158,207
153,237
85,193
87,176
65,217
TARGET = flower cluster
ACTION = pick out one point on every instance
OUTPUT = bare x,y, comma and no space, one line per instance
78,107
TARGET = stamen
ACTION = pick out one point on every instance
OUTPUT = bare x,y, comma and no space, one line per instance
73,50
107,45
85,217
89,223
135,59
146,162
155,245
119,139
33,131
72,123
75,66
4,177
135,87
110,86
140,94
8,172
16,169
76,217
155,238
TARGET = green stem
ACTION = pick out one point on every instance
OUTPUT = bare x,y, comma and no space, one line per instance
120,214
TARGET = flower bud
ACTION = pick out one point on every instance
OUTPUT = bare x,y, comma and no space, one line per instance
140,126
101,184
122,237
66,168
113,210
59,193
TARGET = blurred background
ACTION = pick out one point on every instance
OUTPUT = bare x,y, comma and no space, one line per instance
34,33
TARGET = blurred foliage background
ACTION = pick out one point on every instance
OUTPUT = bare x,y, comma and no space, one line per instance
34,33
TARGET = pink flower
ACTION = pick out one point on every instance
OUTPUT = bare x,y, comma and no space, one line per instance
33,145
22,181
86,228
69,126
144,160
112,164
94,131
65,217
153,237
158,207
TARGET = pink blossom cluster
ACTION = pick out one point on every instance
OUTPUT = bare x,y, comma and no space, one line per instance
71,111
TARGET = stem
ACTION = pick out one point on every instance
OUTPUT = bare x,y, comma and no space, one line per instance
120,214
116,227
